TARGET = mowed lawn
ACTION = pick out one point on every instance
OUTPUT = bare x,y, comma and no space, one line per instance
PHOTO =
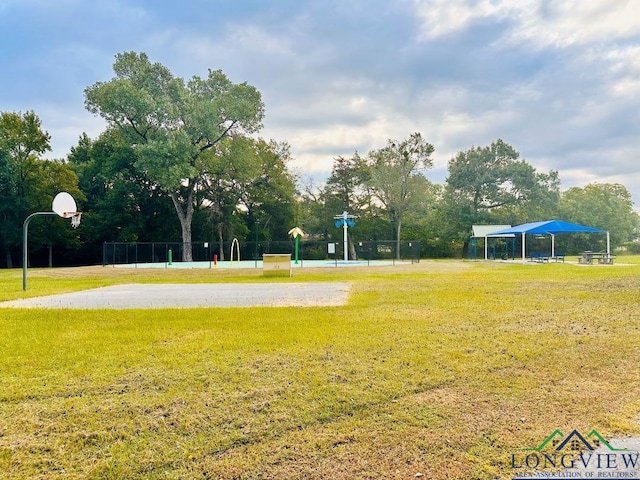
442,368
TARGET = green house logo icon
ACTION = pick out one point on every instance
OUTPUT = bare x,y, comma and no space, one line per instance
575,442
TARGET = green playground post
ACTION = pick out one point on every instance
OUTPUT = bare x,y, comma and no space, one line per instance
296,233
170,257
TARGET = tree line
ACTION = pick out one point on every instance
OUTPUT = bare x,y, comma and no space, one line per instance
390,192
180,161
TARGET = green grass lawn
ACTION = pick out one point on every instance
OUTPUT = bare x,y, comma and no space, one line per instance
442,368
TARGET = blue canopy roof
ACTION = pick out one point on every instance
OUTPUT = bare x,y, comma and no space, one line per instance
552,227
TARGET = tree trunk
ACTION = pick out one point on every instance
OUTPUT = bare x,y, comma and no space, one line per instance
8,257
221,240
186,242
184,209
352,251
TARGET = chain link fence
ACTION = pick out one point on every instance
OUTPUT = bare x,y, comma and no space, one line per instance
116,253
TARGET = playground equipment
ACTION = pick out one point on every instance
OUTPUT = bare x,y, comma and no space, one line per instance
296,233
64,206
345,221
237,244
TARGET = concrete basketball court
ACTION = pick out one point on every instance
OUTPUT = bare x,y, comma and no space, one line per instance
144,296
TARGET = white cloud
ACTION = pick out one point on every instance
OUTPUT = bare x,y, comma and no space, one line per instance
559,80
537,22
624,68
257,39
66,127
574,22
444,17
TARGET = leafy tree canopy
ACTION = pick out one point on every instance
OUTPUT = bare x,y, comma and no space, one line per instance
602,205
172,123
29,184
493,184
392,176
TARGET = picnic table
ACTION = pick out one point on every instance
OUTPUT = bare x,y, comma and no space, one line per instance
589,257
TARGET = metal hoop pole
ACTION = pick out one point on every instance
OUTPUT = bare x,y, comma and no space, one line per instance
25,258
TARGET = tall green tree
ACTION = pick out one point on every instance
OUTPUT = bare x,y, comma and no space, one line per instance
310,210
248,186
347,190
484,176
53,177
346,187
172,123
122,203
540,196
493,184
8,215
228,168
421,221
602,205
269,196
395,176
22,141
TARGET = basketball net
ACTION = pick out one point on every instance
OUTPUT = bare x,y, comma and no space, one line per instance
75,219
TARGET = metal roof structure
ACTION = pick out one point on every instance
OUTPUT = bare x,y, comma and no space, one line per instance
550,227
480,231
486,232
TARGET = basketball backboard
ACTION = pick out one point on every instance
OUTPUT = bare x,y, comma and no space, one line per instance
64,205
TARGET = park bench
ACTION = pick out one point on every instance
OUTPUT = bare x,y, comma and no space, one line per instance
539,257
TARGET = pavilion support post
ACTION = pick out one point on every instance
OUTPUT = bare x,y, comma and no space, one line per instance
524,249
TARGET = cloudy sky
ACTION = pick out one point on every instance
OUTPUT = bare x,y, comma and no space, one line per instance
558,80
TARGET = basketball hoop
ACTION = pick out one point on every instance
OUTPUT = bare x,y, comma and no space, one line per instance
75,219
64,206
74,216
